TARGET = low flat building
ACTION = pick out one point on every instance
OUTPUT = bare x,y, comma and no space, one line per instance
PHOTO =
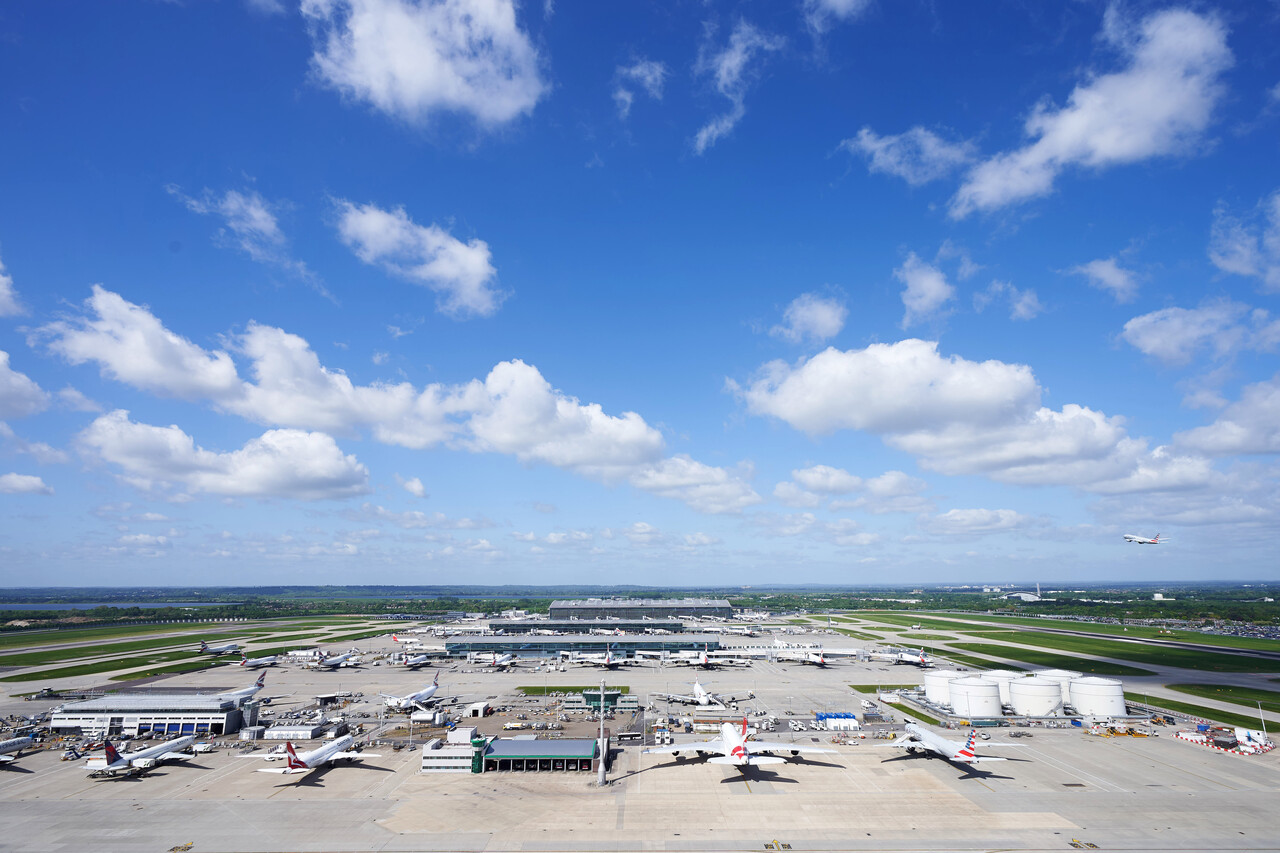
538,646
541,756
639,608
305,731
551,627
133,714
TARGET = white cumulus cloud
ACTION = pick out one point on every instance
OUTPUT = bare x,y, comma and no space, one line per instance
1250,425
918,155
1176,335
414,487
925,290
975,521
461,274
1249,245
703,487
1106,274
414,59
9,304
23,484
1158,104
811,317
19,394
732,70
280,463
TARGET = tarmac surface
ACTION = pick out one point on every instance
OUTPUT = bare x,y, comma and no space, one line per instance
1062,787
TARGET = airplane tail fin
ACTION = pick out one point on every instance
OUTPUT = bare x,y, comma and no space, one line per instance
204,647
293,762
744,727
966,752
261,682
394,638
1156,540
244,660
436,681
112,755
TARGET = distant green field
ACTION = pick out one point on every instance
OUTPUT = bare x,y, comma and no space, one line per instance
103,666
857,635
32,639
912,712
1142,653
188,666
909,620
977,662
91,651
1225,717
1247,696
926,636
1050,660
874,689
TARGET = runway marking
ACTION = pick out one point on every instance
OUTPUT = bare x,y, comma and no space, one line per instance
1079,774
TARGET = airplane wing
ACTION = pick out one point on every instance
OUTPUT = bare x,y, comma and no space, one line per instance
675,697
5,759
173,756
768,746
716,745
354,755
286,771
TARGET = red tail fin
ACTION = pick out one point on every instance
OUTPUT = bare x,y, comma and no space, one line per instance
112,755
244,661
744,726
262,681
294,762
436,680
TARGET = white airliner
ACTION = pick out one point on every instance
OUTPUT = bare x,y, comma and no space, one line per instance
1142,540
133,763
704,659
335,661
608,660
913,658
700,696
417,661
255,663
735,749
238,696
924,742
206,649
496,660
12,748
316,758
417,700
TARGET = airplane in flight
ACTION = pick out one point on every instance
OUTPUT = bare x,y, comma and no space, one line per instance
140,761
335,661
240,696
735,749
330,753
206,649
921,741
255,663
11,749
419,700
702,697
1142,540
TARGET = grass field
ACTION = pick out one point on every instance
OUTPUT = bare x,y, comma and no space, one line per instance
1246,696
977,662
1143,632
1141,653
1225,717
873,689
912,712
187,666
540,690
104,666
1036,657
32,639
857,635
926,637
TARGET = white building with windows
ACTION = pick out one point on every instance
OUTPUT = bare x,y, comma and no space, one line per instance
131,715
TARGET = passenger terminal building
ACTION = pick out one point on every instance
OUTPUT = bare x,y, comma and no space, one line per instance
640,608
132,715
539,646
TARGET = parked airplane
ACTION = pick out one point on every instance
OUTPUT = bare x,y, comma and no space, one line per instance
335,661
206,649
700,696
316,758
239,696
921,741
255,663
418,700
12,748
913,658
496,660
133,763
735,749
704,659
1142,540
608,660
417,660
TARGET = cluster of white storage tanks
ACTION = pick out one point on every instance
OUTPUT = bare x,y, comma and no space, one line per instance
1039,694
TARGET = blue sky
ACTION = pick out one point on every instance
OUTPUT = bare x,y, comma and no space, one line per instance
832,291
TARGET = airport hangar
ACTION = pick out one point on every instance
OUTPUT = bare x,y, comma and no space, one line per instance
639,608
130,715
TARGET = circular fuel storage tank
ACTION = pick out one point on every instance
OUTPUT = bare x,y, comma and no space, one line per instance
1035,697
975,697
1063,677
1098,697
1002,677
935,685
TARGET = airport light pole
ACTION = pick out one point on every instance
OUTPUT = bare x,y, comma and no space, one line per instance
600,780
1263,720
